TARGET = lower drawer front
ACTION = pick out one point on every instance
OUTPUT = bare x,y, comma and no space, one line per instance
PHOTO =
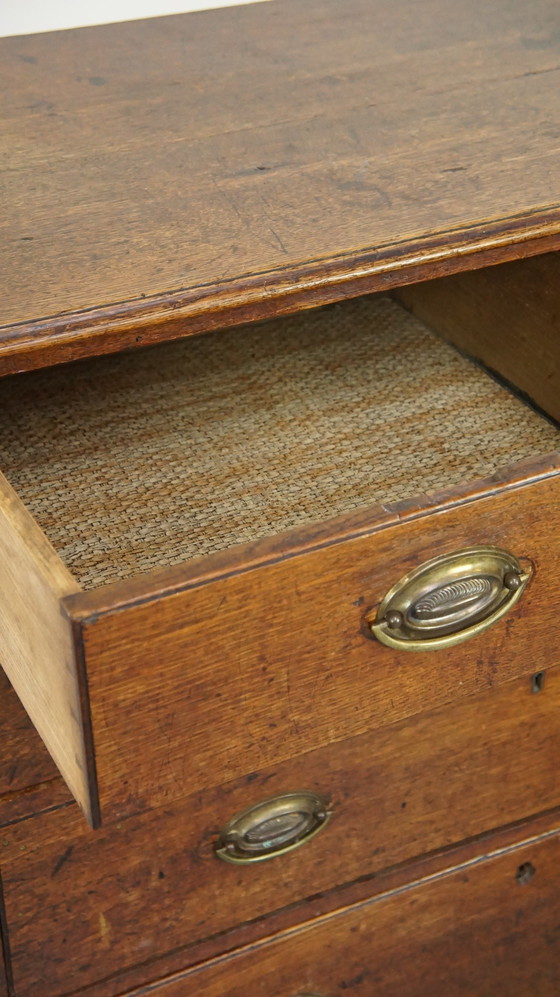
487,929
85,905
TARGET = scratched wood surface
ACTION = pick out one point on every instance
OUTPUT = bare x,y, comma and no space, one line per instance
169,176
507,317
481,930
436,863
84,905
200,674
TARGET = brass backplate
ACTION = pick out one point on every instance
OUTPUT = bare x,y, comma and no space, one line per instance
450,599
273,827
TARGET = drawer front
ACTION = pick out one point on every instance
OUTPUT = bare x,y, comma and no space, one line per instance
485,929
149,690
87,905
200,682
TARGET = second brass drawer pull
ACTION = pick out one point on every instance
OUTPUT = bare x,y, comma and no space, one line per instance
450,599
272,827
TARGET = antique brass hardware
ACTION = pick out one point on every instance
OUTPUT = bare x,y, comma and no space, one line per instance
272,827
450,599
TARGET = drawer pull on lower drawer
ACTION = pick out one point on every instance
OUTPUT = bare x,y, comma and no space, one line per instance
450,598
272,827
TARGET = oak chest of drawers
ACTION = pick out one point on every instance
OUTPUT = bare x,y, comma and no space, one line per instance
280,504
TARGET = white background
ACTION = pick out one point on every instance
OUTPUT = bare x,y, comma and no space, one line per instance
23,17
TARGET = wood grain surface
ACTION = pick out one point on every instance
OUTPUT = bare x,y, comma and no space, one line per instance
29,780
488,928
40,798
3,970
37,645
507,317
24,760
84,905
227,672
170,176
397,877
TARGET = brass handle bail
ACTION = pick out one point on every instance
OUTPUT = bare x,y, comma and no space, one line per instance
450,599
272,827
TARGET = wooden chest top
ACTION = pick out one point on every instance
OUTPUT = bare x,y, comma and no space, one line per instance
169,176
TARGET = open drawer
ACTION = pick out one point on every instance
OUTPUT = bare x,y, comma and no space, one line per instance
196,541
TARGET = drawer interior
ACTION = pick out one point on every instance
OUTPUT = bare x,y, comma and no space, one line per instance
148,459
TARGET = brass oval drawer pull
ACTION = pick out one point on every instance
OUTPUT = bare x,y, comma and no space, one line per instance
272,827
450,598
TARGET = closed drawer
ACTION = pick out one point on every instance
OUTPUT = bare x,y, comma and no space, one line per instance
485,928
195,540
88,906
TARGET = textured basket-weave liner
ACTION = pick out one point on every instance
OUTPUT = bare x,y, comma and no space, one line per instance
136,461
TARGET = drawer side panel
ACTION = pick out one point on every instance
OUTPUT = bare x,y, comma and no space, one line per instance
508,317
37,646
